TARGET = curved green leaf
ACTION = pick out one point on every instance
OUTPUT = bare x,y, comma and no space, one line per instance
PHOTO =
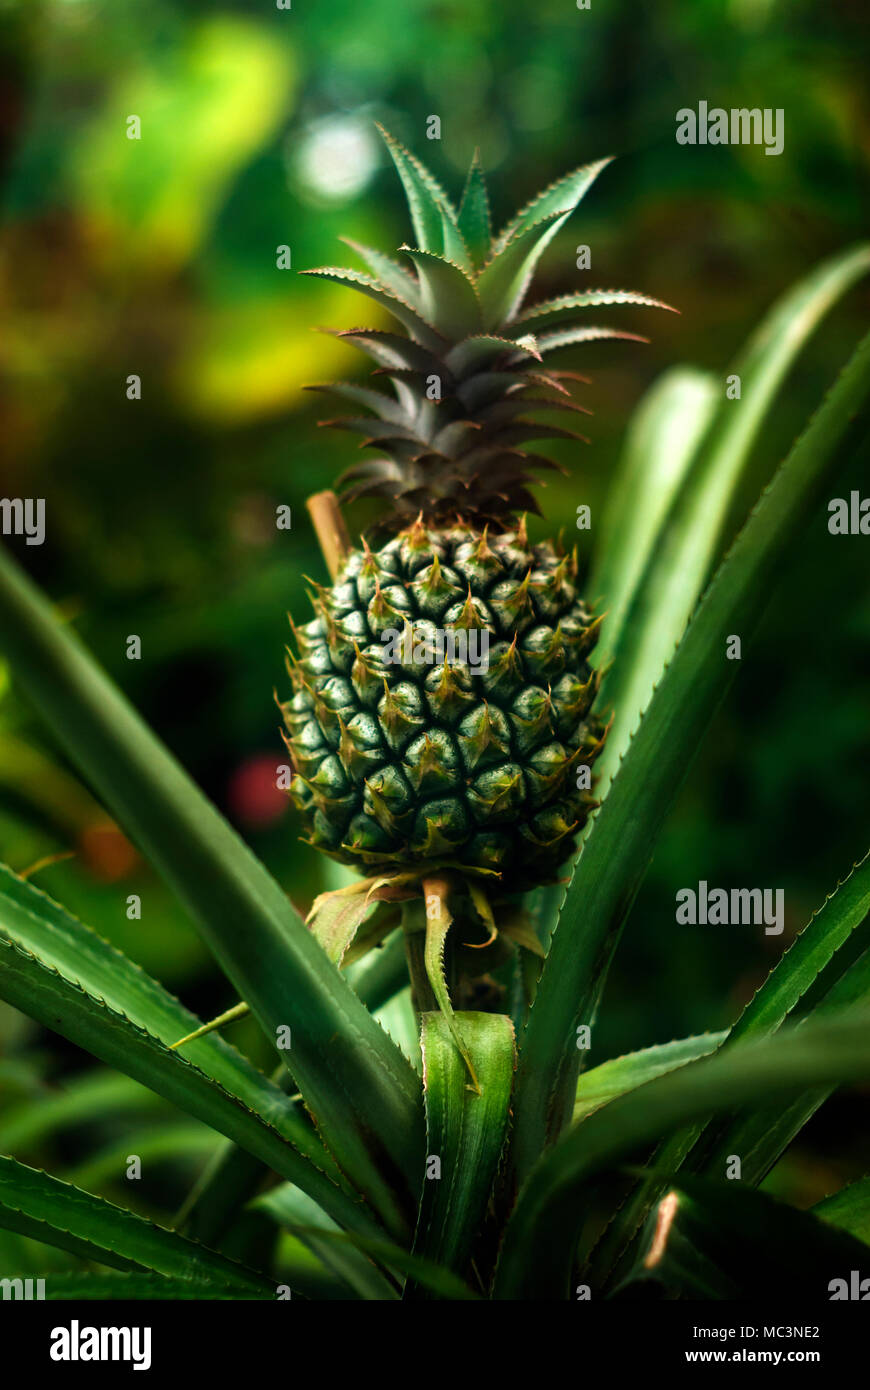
363,1092
541,1235
421,331
685,547
233,1176
423,193
89,1022
811,956
849,1209
297,1213
48,1210
551,311
660,445
568,337
465,1131
473,219
560,196
448,299
392,276
62,959
383,406
389,1255
611,1079
621,841
391,350
723,1240
502,282
99,1284
760,1136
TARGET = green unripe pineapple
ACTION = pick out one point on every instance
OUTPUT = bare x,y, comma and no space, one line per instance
408,754
417,759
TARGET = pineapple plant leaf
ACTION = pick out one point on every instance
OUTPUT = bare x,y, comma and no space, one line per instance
290,1207
679,563
432,213
540,1236
465,1128
282,1205
254,932
55,968
619,847
816,952
473,219
431,780
849,1209
661,444
726,1241
44,1208
611,1079
764,1136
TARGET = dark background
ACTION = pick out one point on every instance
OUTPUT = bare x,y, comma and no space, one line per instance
157,258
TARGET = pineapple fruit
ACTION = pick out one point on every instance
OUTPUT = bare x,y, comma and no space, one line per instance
404,760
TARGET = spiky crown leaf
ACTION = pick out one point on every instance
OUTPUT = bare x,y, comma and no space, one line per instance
469,341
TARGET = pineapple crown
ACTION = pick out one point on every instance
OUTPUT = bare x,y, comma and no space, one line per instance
466,365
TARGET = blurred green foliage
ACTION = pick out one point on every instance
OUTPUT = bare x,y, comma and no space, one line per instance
157,257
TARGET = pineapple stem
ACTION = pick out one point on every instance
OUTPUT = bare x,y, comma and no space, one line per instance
329,527
414,929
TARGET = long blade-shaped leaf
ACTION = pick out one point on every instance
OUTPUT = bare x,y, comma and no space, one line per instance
624,832
503,280
291,1208
394,277
448,299
100,1284
46,1209
614,1078
432,213
812,955
540,1240
73,981
85,1019
473,219
552,311
465,1131
686,546
849,1209
659,448
362,1090
760,1137
388,1255
565,193
421,331
234,1176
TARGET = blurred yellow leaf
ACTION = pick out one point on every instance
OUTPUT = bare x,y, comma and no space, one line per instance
204,108
255,358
